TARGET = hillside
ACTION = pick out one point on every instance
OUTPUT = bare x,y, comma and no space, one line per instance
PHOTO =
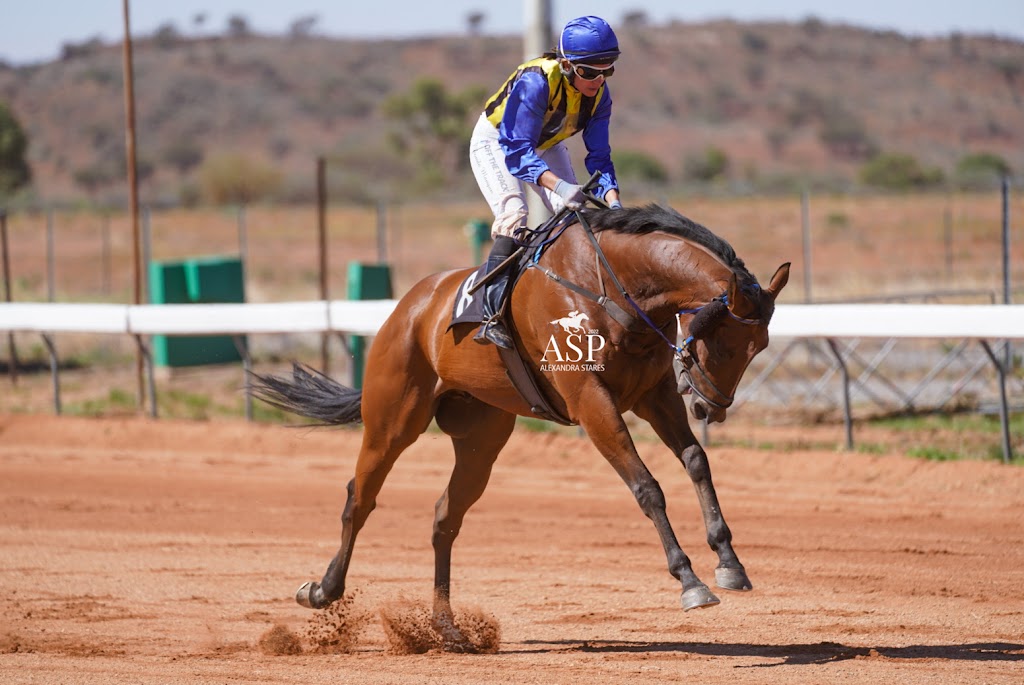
787,103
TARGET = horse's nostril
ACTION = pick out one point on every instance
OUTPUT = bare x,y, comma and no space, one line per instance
700,412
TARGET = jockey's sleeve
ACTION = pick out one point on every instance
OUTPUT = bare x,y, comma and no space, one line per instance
599,150
521,125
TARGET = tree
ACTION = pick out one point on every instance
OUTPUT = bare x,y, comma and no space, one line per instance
183,155
981,169
14,169
435,127
238,26
475,22
302,27
167,36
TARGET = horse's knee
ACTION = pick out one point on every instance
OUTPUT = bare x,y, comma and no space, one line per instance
695,460
649,496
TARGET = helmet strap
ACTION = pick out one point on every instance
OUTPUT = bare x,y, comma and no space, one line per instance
567,71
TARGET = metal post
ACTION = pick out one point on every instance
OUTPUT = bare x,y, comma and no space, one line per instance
382,233
537,39
51,258
321,222
12,368
147,358
243,351
947,239
243,236
1004,411
105,253
147,252
1006,240
847,415
1008,365
805,223
133,185
54,372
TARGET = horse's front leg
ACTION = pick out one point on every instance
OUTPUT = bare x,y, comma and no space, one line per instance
665,410
606,429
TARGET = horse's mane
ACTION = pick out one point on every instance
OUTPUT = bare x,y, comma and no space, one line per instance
650,218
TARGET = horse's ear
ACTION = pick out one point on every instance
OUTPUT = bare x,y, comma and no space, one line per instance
740,303
779,280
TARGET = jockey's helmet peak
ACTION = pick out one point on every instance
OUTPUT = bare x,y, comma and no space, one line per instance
588,39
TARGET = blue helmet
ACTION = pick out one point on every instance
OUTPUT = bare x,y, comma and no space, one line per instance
588,38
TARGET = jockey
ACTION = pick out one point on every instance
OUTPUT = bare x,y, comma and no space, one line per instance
517,142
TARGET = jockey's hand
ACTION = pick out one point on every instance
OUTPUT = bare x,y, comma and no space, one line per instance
570,193
614,204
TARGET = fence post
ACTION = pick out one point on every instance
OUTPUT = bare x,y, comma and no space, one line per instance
805,224
8,296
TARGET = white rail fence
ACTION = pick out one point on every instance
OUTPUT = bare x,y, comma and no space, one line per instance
984,324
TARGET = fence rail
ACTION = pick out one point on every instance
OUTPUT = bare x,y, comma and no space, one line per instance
984,324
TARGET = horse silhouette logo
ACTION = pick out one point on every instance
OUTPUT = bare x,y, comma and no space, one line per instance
572,322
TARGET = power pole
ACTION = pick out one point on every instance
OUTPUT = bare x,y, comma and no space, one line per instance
133,190
537,39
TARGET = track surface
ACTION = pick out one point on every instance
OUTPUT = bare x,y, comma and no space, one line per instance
158,552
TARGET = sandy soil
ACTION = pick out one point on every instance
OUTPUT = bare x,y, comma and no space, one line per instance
162,552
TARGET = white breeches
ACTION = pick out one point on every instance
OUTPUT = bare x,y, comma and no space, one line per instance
505,193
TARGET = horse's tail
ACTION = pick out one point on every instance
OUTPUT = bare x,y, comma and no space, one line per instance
312,394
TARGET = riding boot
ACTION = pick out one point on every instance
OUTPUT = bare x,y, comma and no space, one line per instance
493,328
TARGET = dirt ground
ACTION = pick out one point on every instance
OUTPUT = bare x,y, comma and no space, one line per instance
145,551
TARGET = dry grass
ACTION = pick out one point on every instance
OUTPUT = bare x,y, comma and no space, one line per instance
860,246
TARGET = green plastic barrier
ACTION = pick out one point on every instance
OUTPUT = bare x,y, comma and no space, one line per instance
479,232
198,281
365,282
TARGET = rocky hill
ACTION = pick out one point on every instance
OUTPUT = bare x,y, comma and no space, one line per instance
786,103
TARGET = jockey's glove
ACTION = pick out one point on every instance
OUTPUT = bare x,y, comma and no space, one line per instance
571,193
614,204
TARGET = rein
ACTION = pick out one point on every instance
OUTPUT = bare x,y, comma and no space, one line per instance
683,357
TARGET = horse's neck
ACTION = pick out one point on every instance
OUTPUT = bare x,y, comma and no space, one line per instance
671,271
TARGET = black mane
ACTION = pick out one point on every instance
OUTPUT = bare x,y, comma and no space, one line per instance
650,218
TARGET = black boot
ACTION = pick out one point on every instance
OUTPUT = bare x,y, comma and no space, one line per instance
493,329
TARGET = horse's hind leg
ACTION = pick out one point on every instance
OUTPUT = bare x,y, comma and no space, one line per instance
478,432
397,408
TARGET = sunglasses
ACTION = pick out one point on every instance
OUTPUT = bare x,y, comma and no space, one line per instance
589,73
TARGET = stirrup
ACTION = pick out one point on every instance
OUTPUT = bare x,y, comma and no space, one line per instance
494,331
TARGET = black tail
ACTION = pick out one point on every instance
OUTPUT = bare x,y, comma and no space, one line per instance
312,394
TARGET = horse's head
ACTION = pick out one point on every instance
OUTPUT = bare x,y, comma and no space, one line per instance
722,338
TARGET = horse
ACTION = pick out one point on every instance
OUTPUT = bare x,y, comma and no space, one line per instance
685,317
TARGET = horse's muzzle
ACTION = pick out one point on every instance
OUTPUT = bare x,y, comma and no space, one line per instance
703,412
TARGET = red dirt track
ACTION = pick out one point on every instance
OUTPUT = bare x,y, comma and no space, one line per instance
160,552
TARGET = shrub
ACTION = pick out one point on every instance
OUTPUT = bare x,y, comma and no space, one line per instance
639,166
233,178
14,168
709,166
980,170
897,171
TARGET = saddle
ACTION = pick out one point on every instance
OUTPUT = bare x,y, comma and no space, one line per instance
468,309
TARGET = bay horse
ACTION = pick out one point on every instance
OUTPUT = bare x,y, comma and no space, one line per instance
685,317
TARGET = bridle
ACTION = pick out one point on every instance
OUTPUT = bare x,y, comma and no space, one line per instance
684,359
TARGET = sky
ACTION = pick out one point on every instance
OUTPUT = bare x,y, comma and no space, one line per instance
35,30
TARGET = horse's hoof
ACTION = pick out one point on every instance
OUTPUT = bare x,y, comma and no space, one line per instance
304,595
698,598
732,579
